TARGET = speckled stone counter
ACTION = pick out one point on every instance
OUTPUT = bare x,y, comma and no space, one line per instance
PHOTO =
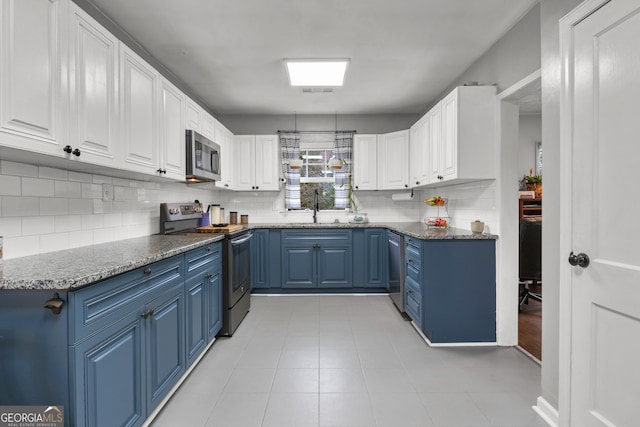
73,268
413,229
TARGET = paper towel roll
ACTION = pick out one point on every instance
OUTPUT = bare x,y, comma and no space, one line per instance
402,196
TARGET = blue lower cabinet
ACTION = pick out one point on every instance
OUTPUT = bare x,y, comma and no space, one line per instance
196,317
370,264
165,333
313,259
299,265
214,303
265,259
118,347
334,264
108,377
459,291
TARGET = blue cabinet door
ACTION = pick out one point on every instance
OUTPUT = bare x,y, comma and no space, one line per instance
375,258
196,316
108,378
165,358
260,259
334,265
214,303
299,266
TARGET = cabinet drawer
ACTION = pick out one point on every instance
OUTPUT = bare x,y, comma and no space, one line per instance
201,258
413,285
413,272
316,236
105,302
413,306
412,248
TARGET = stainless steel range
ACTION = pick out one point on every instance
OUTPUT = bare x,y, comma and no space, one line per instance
183,218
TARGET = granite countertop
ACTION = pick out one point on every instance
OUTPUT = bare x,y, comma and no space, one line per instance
412,229
73,268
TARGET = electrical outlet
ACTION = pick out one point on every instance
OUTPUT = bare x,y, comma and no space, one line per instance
107,192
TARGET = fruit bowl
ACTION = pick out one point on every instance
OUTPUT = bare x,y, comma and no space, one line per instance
437,222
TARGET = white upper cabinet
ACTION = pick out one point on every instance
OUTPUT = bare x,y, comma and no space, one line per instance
419,167
257,162
172,131
32,89
194,116
208,126
93,90
139,109
365,162
435,142
463,147
267,162
393,160
224,138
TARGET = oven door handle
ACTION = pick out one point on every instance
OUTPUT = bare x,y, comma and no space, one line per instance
240,240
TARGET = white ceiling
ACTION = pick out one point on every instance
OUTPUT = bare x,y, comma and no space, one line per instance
403,53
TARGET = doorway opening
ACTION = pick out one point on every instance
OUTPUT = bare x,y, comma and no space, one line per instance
521,214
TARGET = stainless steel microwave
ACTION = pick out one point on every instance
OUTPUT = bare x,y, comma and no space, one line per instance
203,158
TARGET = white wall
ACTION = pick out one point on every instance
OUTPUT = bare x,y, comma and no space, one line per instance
44,209
530,129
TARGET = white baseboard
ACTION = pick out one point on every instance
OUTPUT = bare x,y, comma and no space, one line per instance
547,412
451,344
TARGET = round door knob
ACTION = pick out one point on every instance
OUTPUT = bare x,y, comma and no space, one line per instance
580,260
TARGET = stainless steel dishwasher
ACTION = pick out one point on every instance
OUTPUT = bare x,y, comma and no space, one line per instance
396,269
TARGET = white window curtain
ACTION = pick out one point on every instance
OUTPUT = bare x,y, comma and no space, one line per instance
341,143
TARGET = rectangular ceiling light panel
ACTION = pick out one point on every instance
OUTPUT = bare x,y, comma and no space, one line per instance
316,72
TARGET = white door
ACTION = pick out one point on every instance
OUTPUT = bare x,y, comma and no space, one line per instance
449,144
435,142
605,322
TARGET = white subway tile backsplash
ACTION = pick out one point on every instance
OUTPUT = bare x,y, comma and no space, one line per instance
105,235
11,227
121,182
91,222
9,185
18,169
51,173
91,191
66,223
37,187
80,206
36,225
80,238
20,206
124,193
80,177
100,179
54,242
100,207
70,190
113,220
15,247
53,206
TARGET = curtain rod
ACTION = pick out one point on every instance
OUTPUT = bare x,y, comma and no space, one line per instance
317,131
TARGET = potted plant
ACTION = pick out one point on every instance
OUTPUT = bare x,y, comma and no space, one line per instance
533,183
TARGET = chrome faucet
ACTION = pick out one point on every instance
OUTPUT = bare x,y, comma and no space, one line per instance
316,205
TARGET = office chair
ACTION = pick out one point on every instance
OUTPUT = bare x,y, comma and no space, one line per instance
530,268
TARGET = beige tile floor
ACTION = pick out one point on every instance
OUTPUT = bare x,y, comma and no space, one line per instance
349,361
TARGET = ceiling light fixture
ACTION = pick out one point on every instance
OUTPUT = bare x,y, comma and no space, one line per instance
316,72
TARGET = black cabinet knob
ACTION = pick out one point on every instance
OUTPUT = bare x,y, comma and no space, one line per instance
147,271
67,149
357,187
417,182
76,152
